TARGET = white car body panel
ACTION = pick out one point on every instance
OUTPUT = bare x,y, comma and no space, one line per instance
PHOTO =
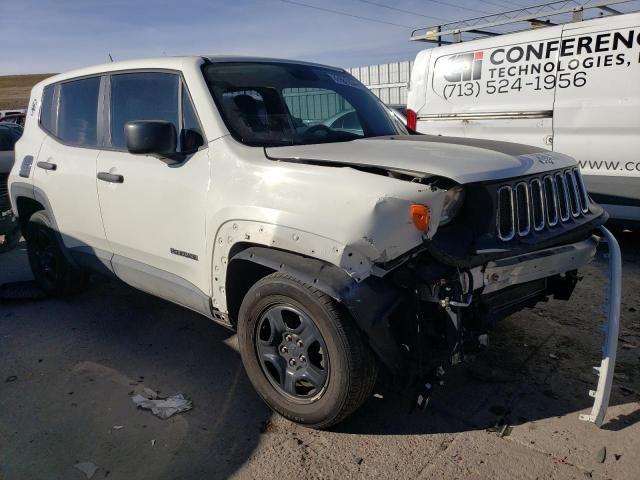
144,224
72,188
441,157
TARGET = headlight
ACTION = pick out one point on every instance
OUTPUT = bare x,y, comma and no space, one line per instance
452,204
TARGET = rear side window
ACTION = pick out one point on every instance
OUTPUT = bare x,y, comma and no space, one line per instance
78,120
48,110
142,96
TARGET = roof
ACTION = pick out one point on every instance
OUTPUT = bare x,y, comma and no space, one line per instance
169,63
230,59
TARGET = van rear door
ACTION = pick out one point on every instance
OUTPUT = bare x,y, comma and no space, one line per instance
499,88
597,109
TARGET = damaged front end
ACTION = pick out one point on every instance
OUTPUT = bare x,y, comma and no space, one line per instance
470,275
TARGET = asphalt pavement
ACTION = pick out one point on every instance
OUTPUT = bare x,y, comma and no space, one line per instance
68,368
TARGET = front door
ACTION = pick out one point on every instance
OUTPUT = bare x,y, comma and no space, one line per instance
154,211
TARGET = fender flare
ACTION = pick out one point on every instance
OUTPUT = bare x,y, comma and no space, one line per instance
27,190
370,302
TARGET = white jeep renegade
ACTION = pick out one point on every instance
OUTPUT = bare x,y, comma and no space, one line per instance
282,199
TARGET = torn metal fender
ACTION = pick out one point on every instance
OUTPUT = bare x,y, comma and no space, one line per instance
606,369
370,302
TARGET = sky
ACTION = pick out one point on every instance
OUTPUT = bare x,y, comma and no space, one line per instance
48,36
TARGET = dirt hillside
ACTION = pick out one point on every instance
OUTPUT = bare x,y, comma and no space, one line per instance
15,89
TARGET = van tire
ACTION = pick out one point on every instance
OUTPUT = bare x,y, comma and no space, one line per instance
352,367
53,272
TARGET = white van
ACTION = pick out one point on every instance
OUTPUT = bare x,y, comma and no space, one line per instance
572,88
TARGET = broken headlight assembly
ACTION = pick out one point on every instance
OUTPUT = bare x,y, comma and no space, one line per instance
452,204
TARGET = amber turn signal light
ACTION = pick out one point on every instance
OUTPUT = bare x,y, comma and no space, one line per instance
420,216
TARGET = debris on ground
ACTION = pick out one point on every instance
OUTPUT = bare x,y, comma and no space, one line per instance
153,443
553,356
626,391
505,431
601,455
617,456
11,378
117,427
88,468
161,407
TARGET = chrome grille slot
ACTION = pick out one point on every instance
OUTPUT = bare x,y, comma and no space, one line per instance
563,196
551,200
506,215
523,209
537,204
540,203
572,189
582,191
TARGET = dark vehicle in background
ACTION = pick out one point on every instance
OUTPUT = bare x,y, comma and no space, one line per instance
9,230
15,118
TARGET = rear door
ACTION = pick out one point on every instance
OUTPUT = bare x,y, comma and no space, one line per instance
65,170
597,114
499,88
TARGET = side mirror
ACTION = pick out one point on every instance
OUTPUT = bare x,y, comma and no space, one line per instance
152,137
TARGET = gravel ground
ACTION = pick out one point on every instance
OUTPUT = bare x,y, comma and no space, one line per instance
68,367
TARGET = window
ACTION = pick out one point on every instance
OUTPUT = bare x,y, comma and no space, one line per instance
266,104
142,96
191,137
78,122
48,112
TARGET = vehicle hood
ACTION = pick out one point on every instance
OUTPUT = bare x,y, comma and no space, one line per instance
464,160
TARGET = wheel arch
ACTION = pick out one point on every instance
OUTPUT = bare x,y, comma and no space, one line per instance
27,206
27,200
370,302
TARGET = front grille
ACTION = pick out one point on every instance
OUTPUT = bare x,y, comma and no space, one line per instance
540,203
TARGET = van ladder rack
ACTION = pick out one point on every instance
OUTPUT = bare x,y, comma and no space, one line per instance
448,33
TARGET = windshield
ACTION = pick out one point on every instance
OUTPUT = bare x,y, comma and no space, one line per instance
270,104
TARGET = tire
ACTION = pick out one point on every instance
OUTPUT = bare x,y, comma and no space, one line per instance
338,371
55,275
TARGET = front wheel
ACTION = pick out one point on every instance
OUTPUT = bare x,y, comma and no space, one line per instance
303,353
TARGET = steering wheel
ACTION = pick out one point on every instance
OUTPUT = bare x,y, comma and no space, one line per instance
317,129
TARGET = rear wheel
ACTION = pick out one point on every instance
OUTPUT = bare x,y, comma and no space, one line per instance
51,269
303,353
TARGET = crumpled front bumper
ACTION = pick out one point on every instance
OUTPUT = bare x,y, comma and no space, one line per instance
605,371
507,272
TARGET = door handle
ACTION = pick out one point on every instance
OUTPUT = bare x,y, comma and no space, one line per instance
47,165
110,177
